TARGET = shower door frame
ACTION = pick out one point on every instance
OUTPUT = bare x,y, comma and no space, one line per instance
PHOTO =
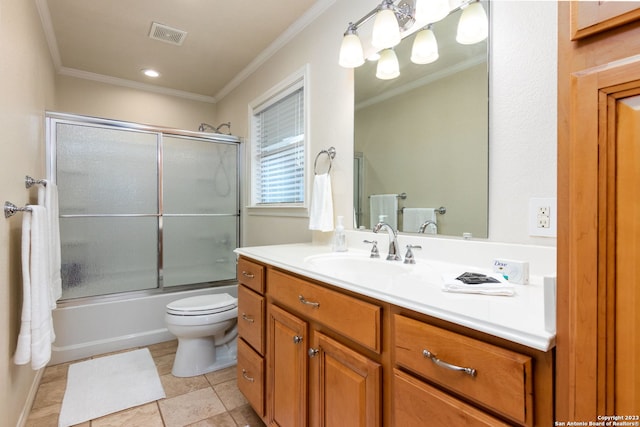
53,118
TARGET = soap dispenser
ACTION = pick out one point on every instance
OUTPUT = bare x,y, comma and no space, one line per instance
339,237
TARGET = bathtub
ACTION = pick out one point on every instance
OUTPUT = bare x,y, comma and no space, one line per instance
86,330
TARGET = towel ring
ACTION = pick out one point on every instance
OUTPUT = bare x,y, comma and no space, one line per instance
331,153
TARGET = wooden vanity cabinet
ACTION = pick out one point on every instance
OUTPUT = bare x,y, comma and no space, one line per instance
313,378
251,333
334,358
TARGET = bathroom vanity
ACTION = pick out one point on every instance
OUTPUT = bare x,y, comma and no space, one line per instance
321,347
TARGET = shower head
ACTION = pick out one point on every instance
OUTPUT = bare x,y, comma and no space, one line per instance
204,126
228,125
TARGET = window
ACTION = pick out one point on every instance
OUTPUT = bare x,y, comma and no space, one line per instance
278,146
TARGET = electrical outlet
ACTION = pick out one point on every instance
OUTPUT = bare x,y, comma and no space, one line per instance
542,217
543,221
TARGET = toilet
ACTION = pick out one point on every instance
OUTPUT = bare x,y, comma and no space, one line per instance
206,327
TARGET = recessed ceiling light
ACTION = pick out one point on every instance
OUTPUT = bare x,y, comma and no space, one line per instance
150,73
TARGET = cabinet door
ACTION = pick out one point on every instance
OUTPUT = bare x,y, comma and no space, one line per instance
287,368
345,386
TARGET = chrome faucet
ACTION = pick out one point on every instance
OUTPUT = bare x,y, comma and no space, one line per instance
424,225
393,240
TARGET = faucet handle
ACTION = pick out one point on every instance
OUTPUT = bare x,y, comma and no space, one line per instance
374,249
409,258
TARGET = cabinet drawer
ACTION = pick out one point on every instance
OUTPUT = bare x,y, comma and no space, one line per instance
251,376
251,318
355,319
501,380
418,404
251,275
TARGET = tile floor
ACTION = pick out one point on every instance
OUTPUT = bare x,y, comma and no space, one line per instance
206,400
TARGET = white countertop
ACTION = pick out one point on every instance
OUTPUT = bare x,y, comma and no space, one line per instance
519,318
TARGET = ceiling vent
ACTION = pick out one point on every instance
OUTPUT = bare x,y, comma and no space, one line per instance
167,34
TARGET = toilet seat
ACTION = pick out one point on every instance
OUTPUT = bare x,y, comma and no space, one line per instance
202,305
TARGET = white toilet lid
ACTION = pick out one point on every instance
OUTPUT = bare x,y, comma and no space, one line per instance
202,304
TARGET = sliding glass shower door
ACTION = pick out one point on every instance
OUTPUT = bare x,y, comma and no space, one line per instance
200,210
142,209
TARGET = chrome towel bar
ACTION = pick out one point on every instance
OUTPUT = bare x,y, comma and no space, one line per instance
10,209
29,182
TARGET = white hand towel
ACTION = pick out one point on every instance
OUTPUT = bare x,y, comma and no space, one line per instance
48,197
451,284
384,204
36,329
413,218
321,212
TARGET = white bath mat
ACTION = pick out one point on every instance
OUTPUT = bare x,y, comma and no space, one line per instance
109,384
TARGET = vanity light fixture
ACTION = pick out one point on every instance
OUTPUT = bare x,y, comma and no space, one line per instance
386,30
388,66
351,53
425,47
431,10
473,26
391,20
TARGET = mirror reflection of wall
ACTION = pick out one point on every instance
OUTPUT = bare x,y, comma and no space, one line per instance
427,137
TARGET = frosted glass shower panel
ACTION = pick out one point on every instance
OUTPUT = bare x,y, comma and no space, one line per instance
199,177
105,255
199,249
106,171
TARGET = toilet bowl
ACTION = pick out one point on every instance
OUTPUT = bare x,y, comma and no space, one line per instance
206,328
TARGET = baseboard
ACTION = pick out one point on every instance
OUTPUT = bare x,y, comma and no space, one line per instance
31,397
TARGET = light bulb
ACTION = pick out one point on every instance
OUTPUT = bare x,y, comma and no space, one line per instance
351,54
473,26
430,11
388,67
386,32
425,47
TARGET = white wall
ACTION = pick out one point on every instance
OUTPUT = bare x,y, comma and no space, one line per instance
90,98
522,114
26,91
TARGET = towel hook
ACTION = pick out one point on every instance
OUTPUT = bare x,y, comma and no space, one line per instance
331,153
10,209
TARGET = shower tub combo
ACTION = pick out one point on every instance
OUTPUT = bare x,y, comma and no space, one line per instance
148,215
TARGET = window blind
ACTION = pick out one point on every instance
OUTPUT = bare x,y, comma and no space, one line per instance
279,160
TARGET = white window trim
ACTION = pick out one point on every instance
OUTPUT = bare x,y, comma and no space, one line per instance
278,91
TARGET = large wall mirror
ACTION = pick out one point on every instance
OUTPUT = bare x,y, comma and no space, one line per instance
422,139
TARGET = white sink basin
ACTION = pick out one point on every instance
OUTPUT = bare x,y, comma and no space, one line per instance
355,263
358,268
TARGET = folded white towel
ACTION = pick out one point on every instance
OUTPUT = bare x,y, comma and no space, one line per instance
321,211
413,218
451,284
36,329
48,197
384,204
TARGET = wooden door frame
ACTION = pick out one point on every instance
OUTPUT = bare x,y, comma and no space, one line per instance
586,244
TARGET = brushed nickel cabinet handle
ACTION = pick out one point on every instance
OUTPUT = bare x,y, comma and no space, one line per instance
313,352
297,339
247,377
247,318
304,301
442,363
247,274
